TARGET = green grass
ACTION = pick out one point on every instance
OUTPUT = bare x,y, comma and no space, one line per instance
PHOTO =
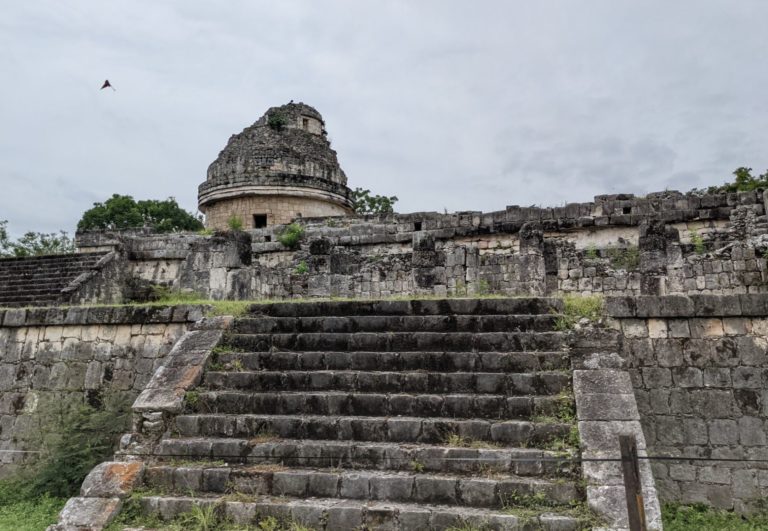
200,518
703,518
577,307
32,514
238,308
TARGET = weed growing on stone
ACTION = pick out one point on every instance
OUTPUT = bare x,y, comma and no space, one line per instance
570,442
591,253
577,307
467,526
235,223
277,120
291,236
564,410
196,463
262,436
192,398
302,268
627,258
457,441
697,241
417,466
483,287
528,507
167,295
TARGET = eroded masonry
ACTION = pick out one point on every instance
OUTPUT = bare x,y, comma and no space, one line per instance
478,405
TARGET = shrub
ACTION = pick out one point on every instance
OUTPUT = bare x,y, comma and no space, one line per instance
697,241
302,268
291,236
277,121
627,258
71,437
235,223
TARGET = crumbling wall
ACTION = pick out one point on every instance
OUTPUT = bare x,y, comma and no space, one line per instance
615,246
78,354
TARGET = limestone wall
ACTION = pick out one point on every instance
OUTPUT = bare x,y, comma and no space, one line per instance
699,367
77,353
279,209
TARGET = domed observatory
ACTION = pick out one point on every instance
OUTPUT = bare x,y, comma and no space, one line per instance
280,168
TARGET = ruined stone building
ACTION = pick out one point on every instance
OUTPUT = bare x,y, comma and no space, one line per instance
280,168
449,386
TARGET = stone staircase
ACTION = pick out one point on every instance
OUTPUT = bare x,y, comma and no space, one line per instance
38,280
402,415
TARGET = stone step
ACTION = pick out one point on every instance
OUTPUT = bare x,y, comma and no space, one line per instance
366,428
492,490
397,361
40,283
43,270
335,514
399,341
457,405
53,258
520,305
514,384
472,458
30,301
32,289
391,323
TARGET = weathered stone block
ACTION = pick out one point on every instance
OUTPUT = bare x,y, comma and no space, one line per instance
112,480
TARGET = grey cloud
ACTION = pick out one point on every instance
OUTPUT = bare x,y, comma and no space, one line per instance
447,104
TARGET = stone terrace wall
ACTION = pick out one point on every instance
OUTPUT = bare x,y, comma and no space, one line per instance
617,245
700,372
82,353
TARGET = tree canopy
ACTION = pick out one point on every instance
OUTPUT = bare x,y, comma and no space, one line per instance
34,243
365,203
124,212
744,181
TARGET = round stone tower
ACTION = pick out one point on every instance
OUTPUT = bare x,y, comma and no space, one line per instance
280,168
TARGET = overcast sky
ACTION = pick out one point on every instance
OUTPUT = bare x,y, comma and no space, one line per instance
458,105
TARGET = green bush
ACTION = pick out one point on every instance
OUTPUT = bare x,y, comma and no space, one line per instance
72,437
291,236
302,268
277,121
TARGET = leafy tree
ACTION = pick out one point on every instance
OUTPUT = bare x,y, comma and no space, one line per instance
365,203
34,243
744,182
123,212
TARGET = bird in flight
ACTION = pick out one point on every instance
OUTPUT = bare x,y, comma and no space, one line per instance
107,84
